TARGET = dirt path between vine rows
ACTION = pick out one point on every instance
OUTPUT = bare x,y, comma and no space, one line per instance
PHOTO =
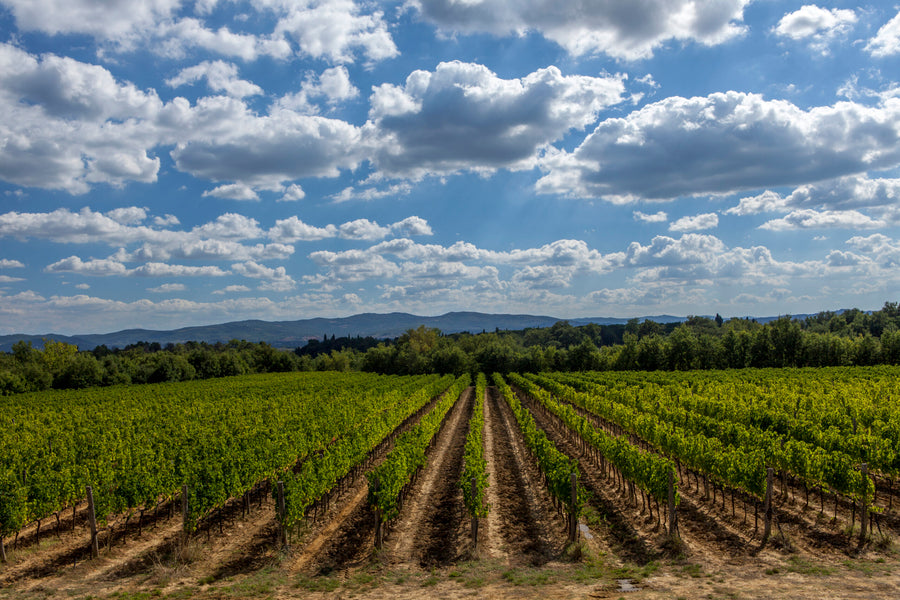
711,526
523,525
429,530
491,542
344,536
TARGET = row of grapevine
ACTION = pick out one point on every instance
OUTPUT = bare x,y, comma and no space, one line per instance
556,467
732,467
839,410
388,480
648,471
321,472
474,464
138,445
835,470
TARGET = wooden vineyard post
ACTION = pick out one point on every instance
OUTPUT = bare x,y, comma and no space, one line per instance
2,550
767,529
282,530
864,516
184,512
379,530
379,523
92,519
474,516
672,519
573,508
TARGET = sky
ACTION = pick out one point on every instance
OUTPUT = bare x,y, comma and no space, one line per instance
166,163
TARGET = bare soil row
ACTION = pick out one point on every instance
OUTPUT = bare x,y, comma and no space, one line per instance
523,527
717,523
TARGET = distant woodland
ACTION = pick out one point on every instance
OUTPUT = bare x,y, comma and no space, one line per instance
852,337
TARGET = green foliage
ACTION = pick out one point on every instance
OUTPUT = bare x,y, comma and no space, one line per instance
556,466
388,480
60,365
732,427
13,503
82,371
12,383
135,445
853,337
474,464
648,471
379,413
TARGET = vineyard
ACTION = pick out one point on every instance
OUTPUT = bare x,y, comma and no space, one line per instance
318,474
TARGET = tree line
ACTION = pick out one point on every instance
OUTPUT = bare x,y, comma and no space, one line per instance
851,337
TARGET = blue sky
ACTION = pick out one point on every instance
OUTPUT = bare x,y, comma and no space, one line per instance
166,163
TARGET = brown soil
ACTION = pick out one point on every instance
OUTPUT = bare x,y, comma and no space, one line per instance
799,527
343,537
428,553
631,538
531,528
430,528
491,543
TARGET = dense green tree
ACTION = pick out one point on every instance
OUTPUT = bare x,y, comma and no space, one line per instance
709,352
337,360
83,370
682,348
867,350
786,342
421,340
115,370
890,346
380,359
853,337
703,326
12,383
651,352
736,348
24,352
451,359
165,366
626,357
584,357
565,334
761,349
496,357
650,328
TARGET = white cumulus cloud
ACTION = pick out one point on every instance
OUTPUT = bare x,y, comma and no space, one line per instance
292,193
111,19
696,223
462,116
657,217
168,288
812,219
738,141
220,76
232,289
233,191
819,25
887,41
627,30
333,86
99,267
335,30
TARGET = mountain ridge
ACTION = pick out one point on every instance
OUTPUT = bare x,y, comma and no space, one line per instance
290,334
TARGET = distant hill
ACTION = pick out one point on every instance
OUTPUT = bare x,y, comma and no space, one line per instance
290,334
